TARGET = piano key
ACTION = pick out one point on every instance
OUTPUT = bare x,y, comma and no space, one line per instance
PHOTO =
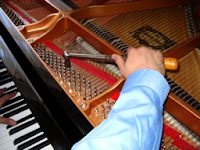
5,130
10,90
16,117
23,126
7,85
33,147
16,111
48,147
4,74
6,80
2,70
37,140
11,107
8,139
2,66
22,120
12,101
21,114
12,112
27,140
27,136
43,146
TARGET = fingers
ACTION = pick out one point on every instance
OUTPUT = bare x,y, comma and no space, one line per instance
7,121
119,61
2,90
140,58
6,97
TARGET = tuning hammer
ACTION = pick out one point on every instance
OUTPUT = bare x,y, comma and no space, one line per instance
170,63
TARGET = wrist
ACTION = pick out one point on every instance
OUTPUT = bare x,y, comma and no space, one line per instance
149,78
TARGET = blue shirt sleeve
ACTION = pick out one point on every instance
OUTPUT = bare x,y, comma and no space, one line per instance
135,121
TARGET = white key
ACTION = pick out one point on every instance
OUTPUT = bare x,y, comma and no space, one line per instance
7,85
7,91
4,138
8,145
16,118
14,109
11,138
21,114
18,94
2,70
12,103
48,147
3,132
2,127
19,124
35,136
35,144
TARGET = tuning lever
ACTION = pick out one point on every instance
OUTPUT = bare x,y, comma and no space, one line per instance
170,63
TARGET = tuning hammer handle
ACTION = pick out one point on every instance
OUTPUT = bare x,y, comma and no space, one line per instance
171,63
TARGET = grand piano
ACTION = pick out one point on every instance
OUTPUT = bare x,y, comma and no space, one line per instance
67,103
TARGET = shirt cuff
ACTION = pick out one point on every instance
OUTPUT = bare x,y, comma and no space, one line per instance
149,78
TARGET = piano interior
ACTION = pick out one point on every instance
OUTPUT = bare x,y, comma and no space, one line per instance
44,30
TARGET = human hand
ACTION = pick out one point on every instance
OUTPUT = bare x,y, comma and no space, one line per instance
140,58
4,99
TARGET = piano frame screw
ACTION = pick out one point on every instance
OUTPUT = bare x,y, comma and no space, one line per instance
20,27
83,104
30,40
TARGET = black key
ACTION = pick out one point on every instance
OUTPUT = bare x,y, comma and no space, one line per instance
27,136
2,65
4,75
23,126
31,142
11,107
14,112
25,118
11,101
10,90
41,145
22,120
6,80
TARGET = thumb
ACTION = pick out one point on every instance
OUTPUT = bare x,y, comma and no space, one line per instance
119,61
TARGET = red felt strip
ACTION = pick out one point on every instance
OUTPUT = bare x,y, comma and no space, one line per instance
55,48
90,68
18,11
97,72
115,96
177,141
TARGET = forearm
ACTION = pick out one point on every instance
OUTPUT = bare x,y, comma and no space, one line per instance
135,121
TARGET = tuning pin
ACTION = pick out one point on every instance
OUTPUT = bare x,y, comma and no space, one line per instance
102,107
96,110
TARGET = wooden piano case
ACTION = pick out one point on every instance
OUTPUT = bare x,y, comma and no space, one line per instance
94,87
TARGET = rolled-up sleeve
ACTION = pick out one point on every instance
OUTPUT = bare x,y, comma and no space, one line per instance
135,121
